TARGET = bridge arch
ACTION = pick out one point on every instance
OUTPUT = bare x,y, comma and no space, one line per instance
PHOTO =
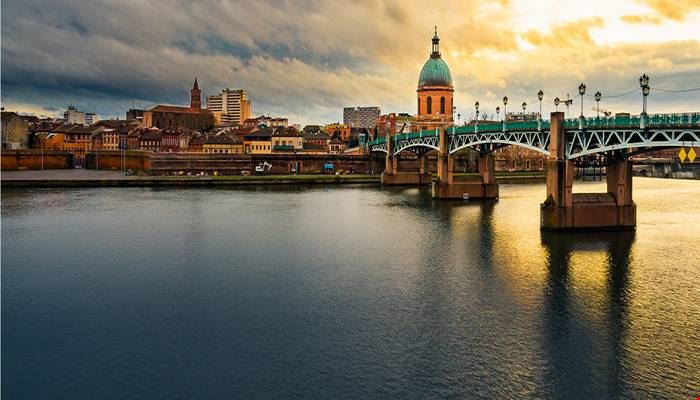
585,143
472,145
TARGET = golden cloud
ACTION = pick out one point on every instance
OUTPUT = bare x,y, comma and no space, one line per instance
641,19
676,10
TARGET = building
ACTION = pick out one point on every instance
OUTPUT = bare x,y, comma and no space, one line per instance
135,113
73,116
15,131
335,146
78,139
195,96
230,107
435,91
338,130
265,122
196,143
165,117
286,140
258,142
361,117
170,140
176,117
150,140
394,124
315,139
91,118
222,144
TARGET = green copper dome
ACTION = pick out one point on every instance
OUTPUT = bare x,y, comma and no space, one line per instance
435,72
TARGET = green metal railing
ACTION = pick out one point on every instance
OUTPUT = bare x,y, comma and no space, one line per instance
617,121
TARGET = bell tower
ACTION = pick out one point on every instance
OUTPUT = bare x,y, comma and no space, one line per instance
195,96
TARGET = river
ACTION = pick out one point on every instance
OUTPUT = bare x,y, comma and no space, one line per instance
344,292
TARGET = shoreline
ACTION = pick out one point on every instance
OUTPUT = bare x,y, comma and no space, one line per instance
85,179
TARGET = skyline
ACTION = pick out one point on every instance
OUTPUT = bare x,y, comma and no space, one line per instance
296,60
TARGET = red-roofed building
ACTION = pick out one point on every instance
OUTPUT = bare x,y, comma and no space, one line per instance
176,117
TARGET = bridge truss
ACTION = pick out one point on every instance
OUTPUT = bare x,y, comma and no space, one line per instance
587,142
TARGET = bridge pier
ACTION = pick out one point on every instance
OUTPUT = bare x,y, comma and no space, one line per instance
391,175
448,186
564,210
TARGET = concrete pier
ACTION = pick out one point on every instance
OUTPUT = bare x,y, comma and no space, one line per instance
448,186
564,210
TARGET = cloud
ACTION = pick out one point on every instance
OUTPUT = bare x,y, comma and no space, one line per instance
304,58
677,10
641,19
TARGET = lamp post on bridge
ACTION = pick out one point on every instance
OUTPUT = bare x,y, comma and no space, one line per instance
476,125
498,113
644,84
505,112
540,96
581,91
598,95
454,112
556,104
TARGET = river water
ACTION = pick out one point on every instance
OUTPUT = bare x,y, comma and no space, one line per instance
344,292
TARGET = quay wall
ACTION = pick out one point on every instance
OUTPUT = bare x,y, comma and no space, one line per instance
14,160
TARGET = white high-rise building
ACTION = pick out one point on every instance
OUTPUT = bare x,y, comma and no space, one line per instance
73,116
231,106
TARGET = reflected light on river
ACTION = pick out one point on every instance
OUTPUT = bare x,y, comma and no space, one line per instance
345,292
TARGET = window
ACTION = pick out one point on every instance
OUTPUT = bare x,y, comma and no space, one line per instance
419,105
430,105
442,105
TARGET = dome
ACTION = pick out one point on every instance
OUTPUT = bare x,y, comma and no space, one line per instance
435,72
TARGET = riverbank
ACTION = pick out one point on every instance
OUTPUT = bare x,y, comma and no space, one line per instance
91,178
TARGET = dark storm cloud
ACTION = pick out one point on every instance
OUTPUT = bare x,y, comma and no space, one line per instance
303,59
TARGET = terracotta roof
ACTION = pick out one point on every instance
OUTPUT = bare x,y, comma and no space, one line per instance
178,109
315,135
151,134
85,129
220,139
285,132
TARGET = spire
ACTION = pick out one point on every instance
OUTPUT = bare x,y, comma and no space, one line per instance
436,45
195,96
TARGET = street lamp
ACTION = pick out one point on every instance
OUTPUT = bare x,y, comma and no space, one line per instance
597,107
556,103
581,91
42,151
459,118
498,113
644,84
476,125
505,112
540,96
524,107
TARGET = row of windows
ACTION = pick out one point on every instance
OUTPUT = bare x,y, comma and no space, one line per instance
261,147
221,151
430,105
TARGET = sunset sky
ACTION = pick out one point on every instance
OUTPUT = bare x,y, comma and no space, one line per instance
308,59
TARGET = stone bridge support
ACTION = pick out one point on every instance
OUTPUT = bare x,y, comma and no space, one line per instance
564,210
449,186
392,175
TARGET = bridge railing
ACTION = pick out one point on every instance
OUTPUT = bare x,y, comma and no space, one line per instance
679,119
633,121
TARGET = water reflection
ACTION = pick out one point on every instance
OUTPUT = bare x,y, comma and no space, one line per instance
586,329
